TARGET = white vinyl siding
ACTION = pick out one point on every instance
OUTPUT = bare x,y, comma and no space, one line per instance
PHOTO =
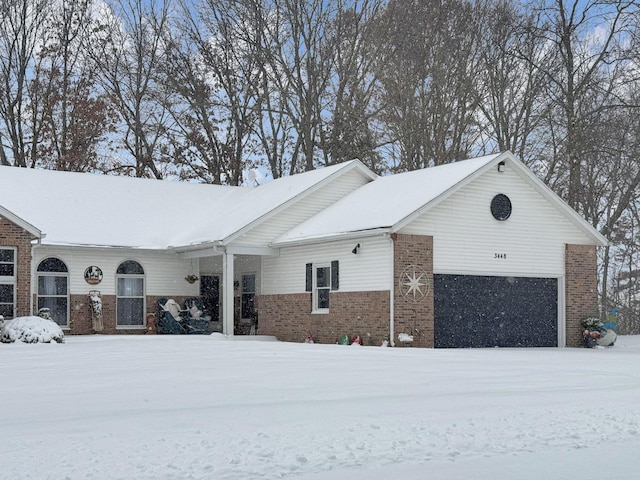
369,270
467,239
303,209
164,271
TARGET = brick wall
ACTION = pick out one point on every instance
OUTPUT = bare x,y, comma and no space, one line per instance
581,289
81,322
289,317
413,315
12,235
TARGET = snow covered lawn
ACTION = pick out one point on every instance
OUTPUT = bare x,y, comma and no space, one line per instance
198,407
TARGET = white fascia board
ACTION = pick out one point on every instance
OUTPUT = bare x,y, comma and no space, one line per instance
537,183
211,250
354,164
249,250
374,232
13,218
577,219
73,247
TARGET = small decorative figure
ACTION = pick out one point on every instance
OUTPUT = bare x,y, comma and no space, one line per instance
96,310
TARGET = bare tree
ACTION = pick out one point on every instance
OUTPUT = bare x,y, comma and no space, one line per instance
299,65
351,95
22,24
512,95
75,119
428,72
583,76
126,50
214,72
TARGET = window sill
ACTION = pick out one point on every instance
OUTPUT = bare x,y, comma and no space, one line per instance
130,327
321,311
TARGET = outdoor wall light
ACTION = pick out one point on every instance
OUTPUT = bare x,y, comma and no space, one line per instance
501,167
356,249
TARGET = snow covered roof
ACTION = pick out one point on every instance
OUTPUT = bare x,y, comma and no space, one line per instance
389,203
12,217
97,210
87,209
385,202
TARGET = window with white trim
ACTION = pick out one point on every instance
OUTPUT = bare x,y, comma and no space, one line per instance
53,289
321,279
7,282
130,299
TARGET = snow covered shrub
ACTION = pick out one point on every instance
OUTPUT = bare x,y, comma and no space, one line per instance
31,330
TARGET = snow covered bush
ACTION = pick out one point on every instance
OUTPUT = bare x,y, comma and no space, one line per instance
31,330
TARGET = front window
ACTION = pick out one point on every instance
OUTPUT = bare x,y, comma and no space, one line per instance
130,295
7,282
248,295
322,286
53,290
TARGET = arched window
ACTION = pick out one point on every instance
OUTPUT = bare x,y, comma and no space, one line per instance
53,289
130,298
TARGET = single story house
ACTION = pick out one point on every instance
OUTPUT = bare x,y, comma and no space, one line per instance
475,253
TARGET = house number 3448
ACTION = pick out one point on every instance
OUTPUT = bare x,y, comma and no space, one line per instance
502,256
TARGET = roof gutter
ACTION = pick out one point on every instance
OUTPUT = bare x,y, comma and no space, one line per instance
374,232
203,249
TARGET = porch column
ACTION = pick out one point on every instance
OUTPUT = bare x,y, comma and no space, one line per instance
227,294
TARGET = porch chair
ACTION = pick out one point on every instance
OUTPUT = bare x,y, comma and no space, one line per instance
197,319
169,319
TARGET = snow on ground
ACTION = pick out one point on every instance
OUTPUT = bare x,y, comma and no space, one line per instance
201,407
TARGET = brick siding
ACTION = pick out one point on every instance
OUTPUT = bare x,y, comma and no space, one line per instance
415,319
12,235
81,322
581,289
289,318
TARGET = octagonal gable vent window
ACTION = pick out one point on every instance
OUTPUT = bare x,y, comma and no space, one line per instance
501,207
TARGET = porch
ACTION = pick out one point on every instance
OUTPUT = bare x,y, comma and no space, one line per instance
229,281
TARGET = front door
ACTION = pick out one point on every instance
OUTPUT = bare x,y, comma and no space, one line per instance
210,293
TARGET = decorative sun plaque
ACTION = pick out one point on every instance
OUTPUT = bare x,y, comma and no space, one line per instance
414,283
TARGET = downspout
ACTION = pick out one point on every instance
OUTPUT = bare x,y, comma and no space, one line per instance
392,295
